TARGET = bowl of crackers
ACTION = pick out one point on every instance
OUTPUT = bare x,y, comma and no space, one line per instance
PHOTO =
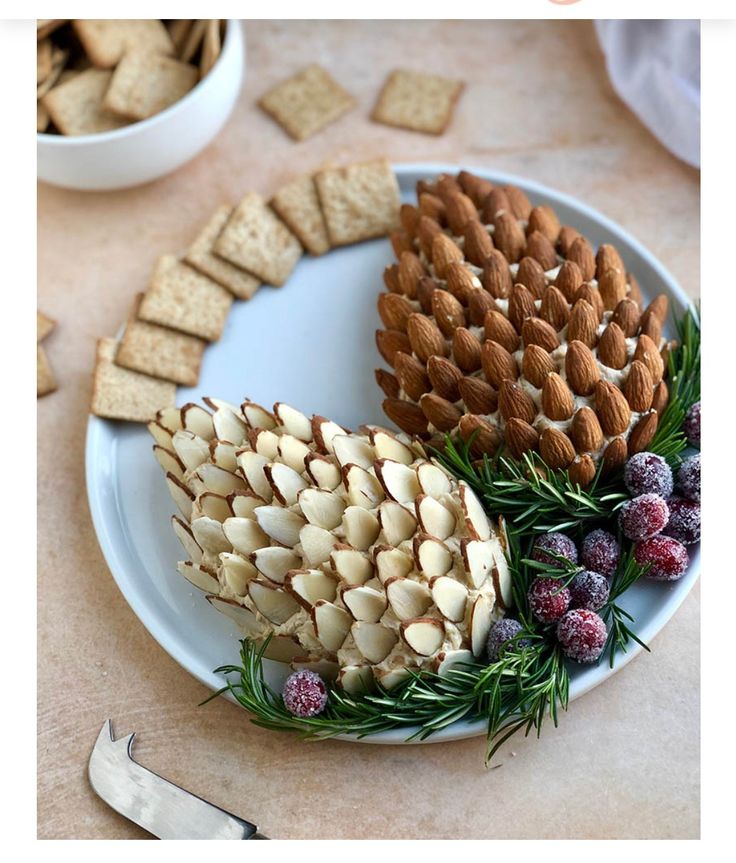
122,102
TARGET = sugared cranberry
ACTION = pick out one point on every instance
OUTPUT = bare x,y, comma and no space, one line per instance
691,426
688,478
582,634
304,693
557,543
548,599
684,523
501,632
647,473
589,590
667,556
644,516
600,552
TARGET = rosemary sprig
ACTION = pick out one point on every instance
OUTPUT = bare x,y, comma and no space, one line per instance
620,633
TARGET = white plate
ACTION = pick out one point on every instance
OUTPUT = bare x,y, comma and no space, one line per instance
311,344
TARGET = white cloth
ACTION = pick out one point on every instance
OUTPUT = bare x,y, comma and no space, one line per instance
655,68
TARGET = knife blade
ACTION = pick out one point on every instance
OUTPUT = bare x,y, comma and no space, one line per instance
154,803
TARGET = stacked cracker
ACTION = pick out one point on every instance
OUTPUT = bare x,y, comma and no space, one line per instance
188,299
98,75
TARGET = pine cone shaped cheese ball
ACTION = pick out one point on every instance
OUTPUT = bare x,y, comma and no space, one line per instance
499,318
359,554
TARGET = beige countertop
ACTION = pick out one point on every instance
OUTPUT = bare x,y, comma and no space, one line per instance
624,762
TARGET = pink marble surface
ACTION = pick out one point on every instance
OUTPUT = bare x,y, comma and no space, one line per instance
624,762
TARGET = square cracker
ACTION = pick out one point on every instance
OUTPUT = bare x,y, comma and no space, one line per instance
44,325
255,239
306,102
359,202
200,256
416,101
211,47
106,40
159,351
121,394
45,380
75,107
297,203
44,62
183,299
144,84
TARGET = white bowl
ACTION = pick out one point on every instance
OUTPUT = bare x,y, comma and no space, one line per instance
146,150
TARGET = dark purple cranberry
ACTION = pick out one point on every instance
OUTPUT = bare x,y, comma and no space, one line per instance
684,523
557,543
601,552
688,478
589,590
691,426
502,632
647,473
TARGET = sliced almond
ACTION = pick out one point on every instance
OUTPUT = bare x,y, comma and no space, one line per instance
351,449
186,538
386,445
244,535
161,435
274,603
169,461
322,508
257,417
181,495
293,452
264,442
294,422
396,521
196,419
433,481
274,562
392,677
478,560
399,481
331,624
449,659
479,624
450,597
252,465
365,603
170,419
476,520
280,524
214,506
434,518
316,543
198,575
356,679
244,503
191,449
228,423
220,481
392,563
501,576
224,454
308,586
324,432
285,482
242,616
408,598
326,668
424,635
362,487
431,555
352,566
323,471
373,640
361,527
282,648
235,573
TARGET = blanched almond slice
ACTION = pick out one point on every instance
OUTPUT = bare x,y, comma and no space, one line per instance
257,417
478,559
293,452
169,461
450,597
235,573
365,603
449,659
331,624
424,635
386,445
399,481
408,598
244,535
224,454
476,520
191,449
373,640
274,562
161,435
361,527
243,617
285,482
220,481
323,433
392,563
434,518
252,464
280,524
195,418
502,578
214,506
350,449
198,575
356,679
317,544
431,555
244,503
186,538
433,480
181,495
362,487
479,624
283,648
294,422
264,442
393,676
352,566
170,419
274,603
321,507
397,522
209,535
322,470
228,423
326,668
310,585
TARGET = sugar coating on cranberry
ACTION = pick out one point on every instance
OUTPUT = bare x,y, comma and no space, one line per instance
688,478
684,522
691,426
557,543
589,590
600,552
582,635
304,693
643,516
647,473
548,599
501,632
667,556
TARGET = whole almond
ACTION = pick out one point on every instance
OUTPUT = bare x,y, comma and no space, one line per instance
508,236
409,217
520,205
460,210
478,244
486,438
466,350
394,311
581,252
556,448
658,307
566,238
643,433
427,230
557,400
569,279
544,219
638,387
443,415
612,347
411,270
448,312
390,342
520,437
612,408
495,202
626,315
612,287
661,397
499,329
461,281
426,286
496,278
583,325
536,364
608,258
586,431
651,326
391,278
412,375
515,401
475,187
400,242
388,383
425,187
648,353
535,331
521,306
498,364
447,185
445,378
581,369
425,337
444,252
407,416
614,456
634,290
541,249
480,302
582,471
554,309
531,275
478,396
591,295
433,208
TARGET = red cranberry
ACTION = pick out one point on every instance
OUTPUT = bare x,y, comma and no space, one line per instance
582,634
557,543
548,599
691,426
644,516
646,473
684,523
688,478
304,693
667,556
600,552
589,590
